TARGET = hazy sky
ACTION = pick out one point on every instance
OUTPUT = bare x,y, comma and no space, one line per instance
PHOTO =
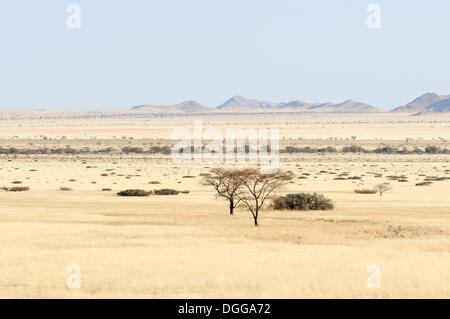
134,52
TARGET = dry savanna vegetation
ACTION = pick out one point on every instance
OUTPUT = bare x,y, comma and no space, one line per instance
100,190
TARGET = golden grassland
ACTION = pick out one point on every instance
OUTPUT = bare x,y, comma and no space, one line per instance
188,246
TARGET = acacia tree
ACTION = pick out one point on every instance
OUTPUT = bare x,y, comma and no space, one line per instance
381,188
259,187
227,184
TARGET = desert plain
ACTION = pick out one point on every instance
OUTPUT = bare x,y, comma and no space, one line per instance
187,245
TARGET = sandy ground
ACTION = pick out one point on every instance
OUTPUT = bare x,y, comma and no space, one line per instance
127,124
188,246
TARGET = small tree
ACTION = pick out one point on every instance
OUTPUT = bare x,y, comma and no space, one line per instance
381,188
260,187
226,183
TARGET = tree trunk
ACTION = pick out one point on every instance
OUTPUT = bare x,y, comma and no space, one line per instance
255,217
231,207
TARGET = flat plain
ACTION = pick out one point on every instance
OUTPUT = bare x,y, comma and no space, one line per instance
187,245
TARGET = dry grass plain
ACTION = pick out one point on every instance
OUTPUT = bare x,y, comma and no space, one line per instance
188,246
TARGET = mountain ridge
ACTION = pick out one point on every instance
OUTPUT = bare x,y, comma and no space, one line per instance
421,104
425,104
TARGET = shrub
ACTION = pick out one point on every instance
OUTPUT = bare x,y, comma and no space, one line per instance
424,184
353,149
366,191
166,191
395,177
184,192
66,189
134,192
137,150
302,201
432,150
385,150
435,179
204,174
158,149
106,189
16,189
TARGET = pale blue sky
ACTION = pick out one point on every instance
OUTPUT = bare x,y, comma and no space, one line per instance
161,52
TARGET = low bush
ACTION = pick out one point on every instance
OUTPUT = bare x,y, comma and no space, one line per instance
166,191
396,178
66,189
302,201
134,192
16,189
353,149
424,184
435,179
366,191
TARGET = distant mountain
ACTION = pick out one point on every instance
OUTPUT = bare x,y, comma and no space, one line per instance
428,103
184,107
420,104
349,106
439,107
294,105
240,103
